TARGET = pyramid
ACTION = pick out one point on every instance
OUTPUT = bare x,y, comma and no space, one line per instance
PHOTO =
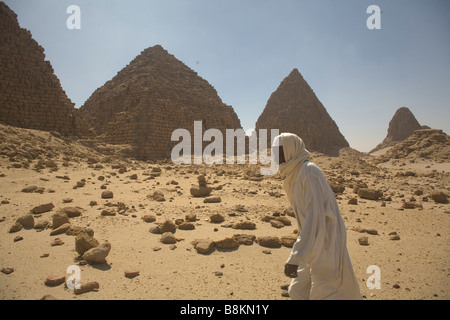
294,108
31,95
151,97
402,125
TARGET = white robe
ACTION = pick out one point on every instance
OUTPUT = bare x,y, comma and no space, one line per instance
325,270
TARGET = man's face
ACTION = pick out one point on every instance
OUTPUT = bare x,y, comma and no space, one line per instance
281,155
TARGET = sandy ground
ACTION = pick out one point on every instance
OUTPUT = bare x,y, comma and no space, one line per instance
414,267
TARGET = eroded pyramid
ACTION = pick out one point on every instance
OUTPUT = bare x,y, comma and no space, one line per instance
295,108
149,99
31,95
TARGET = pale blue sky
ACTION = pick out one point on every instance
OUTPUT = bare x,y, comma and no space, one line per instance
245,48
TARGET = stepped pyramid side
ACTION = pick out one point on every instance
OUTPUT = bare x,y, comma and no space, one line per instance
295,108
402,125
150,98
31,95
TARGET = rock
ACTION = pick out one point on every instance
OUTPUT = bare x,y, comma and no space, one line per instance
76,230
168,238
168,226
203,246
370,194
364,241
269,242
186,226
191,217
7,270
158,196
353,201
394,237
60,230
85,242
439,197
43,208
107,194
337,189
245,239
18,238
131,273
200,191
53,281
201,181
245,225
59,218
411,205
93,203
48,297
41,225
216,218
108,212
29,189
73,212
227,243
155,230
87,287
276,224
57,242
288,241
16,227
98,254
212,200
149,218
284,220
67,200
27,221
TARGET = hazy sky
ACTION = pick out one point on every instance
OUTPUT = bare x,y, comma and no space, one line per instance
245,48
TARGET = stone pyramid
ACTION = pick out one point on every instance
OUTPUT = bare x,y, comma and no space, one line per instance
149,99
401,126
294,108
30,94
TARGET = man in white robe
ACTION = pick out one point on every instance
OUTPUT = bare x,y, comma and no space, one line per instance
319,262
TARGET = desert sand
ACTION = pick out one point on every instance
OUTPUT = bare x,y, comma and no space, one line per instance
410,246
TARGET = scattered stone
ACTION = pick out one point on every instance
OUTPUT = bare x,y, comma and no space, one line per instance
48,297
73,212
29,189
53,281
108,212
227,243
394,237
284,220
57,242
370,194
276,224
203,246
353,201
98,254
85,242
27,221
288,241
439,197
18,238
216,218
59,218
186,226
87,287
191,217
149,218
93,203
245,225
107,194
168,226
168,238
155,230
245,239
67,200
269,242
212,200
156,248
364,241
43,208
131,273
7,270
158,196
202,190
61,229
16,227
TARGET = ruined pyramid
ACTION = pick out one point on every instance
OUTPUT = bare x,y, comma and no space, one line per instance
402,125
294,108
31,95
149,99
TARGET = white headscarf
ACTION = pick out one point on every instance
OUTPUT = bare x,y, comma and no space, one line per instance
295,155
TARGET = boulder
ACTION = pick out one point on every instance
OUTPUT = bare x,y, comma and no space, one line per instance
203,246
98,254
